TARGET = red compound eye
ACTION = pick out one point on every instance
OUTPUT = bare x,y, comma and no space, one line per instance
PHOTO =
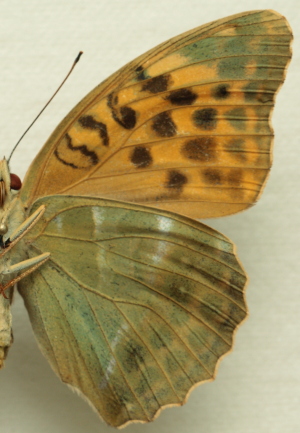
15,182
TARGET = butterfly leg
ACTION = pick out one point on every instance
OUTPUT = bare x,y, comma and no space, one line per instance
22,229
27,266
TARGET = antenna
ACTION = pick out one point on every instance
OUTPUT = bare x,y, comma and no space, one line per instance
43,109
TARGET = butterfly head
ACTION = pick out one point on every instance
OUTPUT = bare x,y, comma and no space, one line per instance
8,181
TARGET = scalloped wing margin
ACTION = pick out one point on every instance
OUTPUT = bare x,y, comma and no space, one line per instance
134,307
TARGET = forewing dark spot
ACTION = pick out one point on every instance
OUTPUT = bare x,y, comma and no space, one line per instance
124,116
157,84
141,74
205,118
221,91
212,176
200,149
141,157
176,180
163,125
128,117
91,156
90,123
182,97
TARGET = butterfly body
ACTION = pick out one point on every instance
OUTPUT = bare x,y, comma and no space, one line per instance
14,264
132,302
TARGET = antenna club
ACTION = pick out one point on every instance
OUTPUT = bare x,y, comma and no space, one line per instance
78,56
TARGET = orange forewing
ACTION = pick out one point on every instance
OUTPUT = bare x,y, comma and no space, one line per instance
184,127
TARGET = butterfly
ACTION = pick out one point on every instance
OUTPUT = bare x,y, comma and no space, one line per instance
132,300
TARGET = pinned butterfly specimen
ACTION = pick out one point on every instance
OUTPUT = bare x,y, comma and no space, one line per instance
132,302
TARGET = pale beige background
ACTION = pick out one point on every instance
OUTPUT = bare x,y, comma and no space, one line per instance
258,385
